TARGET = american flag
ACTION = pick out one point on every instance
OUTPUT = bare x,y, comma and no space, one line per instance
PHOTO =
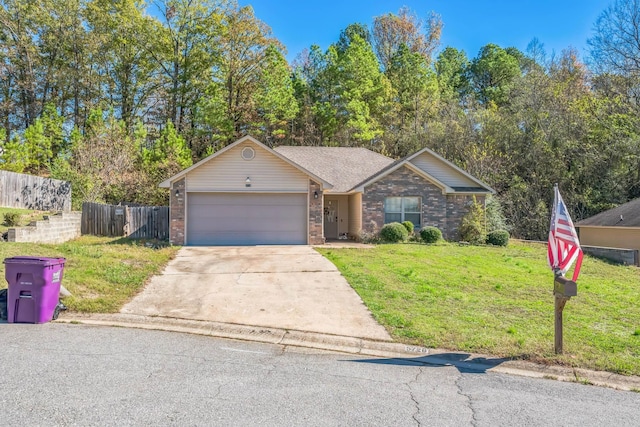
563,247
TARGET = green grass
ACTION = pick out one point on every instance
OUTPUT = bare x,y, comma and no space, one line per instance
26,216
101,273
498,301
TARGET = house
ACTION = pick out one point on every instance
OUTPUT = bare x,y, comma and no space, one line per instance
248,194
616,228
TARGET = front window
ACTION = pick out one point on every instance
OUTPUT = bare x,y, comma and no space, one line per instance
399,209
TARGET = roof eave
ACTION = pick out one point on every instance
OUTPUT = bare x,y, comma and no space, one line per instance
471,193
626,227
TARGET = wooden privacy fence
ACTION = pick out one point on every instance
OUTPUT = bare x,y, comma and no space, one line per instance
140,222
19,190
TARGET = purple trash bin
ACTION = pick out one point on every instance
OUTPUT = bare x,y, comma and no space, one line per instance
34,288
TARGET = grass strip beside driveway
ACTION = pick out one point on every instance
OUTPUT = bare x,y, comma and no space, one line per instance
102,273
498,301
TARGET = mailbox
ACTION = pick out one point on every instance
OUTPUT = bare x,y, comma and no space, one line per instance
565,287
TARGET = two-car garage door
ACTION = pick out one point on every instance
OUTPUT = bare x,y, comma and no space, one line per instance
246,219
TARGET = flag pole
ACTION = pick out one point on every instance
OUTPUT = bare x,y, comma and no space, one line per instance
560,301
561,254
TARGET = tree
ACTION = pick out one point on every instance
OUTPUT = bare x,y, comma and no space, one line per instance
347,35
420,36
53,124
243,48
473,225
363,92
35,148
123,33
615,46
168,155
324,83
19,54
452,69
414,99
185,51
15,154
493,74
101,164
275,101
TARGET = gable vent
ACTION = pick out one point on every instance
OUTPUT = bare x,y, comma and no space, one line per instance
248,153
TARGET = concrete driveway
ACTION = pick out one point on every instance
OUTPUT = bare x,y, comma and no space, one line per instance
287,287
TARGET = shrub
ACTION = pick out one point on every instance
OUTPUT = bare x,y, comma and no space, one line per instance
368,237
498,238
472,228
494,214
394,232
430,234
409,226
11,219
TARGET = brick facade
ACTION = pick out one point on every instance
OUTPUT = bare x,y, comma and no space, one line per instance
177,212
438,210
316,206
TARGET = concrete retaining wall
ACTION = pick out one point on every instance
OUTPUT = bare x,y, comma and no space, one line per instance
623,256
56,229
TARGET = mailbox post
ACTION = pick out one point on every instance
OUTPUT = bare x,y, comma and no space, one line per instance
563,290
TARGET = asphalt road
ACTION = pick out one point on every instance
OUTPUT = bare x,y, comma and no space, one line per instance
56,374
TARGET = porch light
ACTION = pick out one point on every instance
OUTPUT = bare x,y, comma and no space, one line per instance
177,192
247,182
315,194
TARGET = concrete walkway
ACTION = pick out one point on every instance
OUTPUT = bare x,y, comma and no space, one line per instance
284,287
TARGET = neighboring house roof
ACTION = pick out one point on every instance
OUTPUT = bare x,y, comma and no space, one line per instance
344,167
167,183
626,215
447,185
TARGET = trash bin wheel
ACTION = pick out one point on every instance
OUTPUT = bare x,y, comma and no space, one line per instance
56,312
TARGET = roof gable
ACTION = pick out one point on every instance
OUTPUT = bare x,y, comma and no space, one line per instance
625,215
245,139
446,175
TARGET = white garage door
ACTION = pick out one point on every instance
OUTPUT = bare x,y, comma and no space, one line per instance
246,219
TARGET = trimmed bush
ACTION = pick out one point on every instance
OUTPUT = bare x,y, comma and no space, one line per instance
430,234
472,226
498,238
409,226
394,232
11,219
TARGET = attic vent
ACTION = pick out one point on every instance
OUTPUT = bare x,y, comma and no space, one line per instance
248,153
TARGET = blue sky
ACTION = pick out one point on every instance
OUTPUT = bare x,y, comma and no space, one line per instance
468,24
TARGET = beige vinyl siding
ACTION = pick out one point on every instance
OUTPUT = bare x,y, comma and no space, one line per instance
610,237
228,173
442,171
355,214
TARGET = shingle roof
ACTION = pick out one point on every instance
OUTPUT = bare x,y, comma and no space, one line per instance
344,167
627,215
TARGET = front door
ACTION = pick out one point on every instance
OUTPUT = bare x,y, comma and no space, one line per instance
331,219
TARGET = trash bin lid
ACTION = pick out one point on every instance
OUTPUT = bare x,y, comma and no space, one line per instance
34,260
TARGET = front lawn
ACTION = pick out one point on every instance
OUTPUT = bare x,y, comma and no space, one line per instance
499,301
102,273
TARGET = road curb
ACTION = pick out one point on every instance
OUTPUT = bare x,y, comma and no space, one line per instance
465,362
